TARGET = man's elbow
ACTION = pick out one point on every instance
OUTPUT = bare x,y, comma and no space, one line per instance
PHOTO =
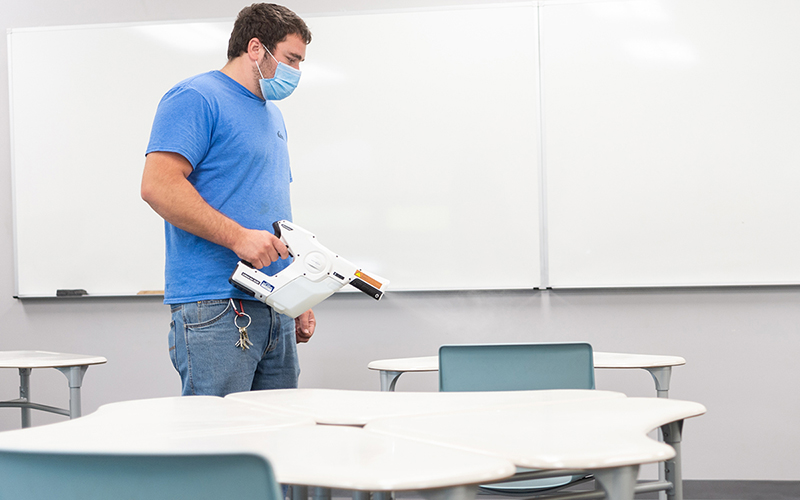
163,174
147,190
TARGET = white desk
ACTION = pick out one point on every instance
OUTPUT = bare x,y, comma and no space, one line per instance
341,407
445,453
363,408
150,425
73,366
605,436
300,452
660,367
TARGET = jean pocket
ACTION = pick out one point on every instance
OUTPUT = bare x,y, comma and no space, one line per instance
206,313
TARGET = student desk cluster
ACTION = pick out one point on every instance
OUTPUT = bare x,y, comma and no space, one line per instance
441,444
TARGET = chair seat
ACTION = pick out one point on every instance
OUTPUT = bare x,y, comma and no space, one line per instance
528,487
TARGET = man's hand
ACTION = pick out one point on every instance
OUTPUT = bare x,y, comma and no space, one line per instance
304,326
260,248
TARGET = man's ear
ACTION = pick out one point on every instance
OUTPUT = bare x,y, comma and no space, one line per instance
255,49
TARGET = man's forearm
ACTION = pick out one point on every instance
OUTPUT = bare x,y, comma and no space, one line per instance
167,190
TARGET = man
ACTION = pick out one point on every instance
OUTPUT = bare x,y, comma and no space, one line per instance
217,171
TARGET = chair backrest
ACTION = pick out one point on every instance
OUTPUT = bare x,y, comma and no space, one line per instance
515,367
35,475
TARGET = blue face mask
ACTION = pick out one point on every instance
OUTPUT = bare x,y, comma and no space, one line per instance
282,84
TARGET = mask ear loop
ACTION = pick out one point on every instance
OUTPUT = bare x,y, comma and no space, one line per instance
258,66
270,53
273,58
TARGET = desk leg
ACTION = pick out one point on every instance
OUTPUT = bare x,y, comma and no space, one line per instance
299,492
321,493
661,376
74,375
25,394
469,492
619,482
389,380
361,495
672,436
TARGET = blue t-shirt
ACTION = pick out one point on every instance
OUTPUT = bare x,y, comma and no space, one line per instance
236,144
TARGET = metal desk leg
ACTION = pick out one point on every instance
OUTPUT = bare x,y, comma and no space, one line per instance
299,492
321,493
469,492
389,380
74,375
383,495
661,376
672,436
361,495
25,394
618,482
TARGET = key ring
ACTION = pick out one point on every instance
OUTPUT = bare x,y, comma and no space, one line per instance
242,315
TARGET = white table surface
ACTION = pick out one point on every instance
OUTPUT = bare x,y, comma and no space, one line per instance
343,407
581,434
299,451
149,424
45,359
601,360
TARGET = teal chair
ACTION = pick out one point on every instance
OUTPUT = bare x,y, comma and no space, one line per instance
518,367
63,476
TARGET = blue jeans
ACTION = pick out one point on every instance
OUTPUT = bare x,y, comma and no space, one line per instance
203,348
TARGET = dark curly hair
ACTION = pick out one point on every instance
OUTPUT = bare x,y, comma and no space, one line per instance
268,22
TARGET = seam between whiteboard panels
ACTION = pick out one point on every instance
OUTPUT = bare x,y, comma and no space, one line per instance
14,237
544,256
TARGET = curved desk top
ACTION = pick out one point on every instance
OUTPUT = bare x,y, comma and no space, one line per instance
343,407
149,425
299,451
45,359
349,458
577,434
601,360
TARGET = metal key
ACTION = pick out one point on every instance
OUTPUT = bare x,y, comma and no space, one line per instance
244,340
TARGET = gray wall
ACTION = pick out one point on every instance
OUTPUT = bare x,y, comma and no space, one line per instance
741,344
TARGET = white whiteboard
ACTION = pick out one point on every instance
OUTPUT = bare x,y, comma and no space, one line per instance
414,144
669,149
672,142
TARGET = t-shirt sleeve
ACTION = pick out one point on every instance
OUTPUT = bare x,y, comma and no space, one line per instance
183,125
